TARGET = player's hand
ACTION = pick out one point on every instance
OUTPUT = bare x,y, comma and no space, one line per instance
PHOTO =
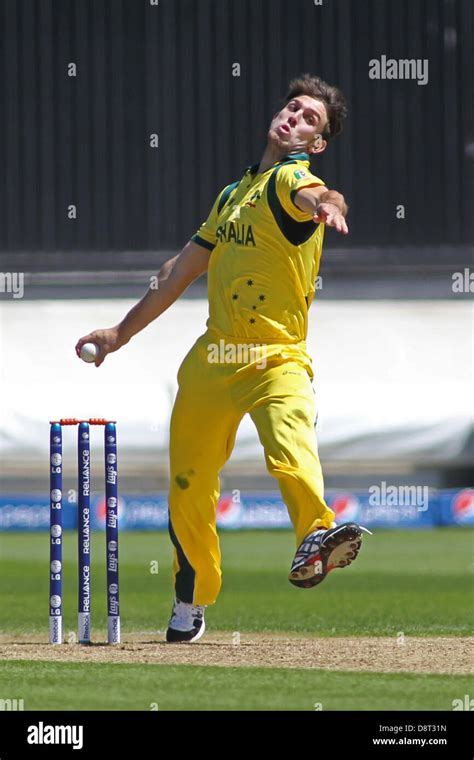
330,214
108,341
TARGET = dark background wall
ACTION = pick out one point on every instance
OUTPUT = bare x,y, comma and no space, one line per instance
168,69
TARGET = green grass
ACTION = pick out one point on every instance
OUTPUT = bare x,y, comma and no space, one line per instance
53,686
420,583
417,582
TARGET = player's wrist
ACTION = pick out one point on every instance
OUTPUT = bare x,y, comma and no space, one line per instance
333,198
123,333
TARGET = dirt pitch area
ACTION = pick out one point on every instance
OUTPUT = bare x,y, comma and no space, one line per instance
442,655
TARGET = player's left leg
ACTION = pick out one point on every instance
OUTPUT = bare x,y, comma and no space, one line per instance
203,426
284,413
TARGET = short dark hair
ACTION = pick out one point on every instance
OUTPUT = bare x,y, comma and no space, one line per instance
332,97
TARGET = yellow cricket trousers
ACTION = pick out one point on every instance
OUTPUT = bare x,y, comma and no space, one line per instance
275,388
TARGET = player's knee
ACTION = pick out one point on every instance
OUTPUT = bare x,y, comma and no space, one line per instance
281,466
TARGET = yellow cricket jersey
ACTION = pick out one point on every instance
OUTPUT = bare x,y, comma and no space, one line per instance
265,254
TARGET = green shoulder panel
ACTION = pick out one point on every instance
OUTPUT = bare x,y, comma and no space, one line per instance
295,232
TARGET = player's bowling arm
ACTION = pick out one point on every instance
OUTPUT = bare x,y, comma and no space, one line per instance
309,198
326,206
173,278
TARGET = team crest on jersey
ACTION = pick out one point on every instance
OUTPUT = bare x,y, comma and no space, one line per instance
253,199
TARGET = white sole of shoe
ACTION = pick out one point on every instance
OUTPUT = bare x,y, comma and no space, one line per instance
344,554
198,634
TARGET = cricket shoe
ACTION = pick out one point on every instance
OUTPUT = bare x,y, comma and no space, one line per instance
322,551
186,623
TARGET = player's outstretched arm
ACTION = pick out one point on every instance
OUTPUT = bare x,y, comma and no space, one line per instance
326,206
174,277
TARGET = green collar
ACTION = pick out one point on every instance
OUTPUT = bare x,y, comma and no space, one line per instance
286,159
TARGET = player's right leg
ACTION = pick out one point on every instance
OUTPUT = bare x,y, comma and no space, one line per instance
284,412
203,427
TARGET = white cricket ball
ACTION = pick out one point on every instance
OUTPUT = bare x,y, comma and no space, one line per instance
89,352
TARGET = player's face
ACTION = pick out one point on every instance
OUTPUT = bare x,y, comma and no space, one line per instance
298,126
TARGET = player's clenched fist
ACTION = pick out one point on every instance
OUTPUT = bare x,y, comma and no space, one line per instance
107,341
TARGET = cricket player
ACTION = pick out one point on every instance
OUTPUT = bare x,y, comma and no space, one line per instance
260,246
